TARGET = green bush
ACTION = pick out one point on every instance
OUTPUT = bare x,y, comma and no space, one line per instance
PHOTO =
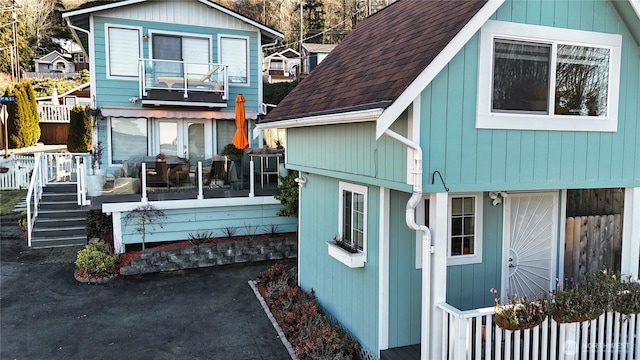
22,222
79,138
99,224
232,152
24,122
288,195
94,260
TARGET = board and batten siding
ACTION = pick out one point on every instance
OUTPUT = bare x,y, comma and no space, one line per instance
468,285
116,92
350,152
179,223
405,291
349,295
473,159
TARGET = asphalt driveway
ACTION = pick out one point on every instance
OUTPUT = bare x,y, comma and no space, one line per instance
208,313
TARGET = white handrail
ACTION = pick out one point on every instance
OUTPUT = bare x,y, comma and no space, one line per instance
35,191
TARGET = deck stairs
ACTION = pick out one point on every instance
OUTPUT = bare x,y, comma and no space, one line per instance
61,221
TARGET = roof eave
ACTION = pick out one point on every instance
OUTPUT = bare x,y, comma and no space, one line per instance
390,114
317,120
264,29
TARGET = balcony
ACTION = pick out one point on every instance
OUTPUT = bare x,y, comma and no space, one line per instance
167,82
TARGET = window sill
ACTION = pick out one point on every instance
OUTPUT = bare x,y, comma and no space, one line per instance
352,260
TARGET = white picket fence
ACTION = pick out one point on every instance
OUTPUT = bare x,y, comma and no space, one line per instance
15,172
473,335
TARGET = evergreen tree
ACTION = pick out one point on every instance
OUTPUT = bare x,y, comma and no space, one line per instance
34,122
79,138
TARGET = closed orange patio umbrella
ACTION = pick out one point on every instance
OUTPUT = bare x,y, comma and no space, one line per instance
240,140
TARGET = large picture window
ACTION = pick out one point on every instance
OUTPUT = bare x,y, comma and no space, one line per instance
128,138
234,54
123,51
544,78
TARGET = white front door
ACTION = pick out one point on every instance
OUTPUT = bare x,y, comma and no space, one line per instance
529,250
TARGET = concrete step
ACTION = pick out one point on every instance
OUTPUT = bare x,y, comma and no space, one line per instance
61,222
58,214
68,231
59,205
54,197
48,242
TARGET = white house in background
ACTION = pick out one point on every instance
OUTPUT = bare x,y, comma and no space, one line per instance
283,66
55,62
313,54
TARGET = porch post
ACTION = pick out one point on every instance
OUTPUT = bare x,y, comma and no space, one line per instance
432,331
118,245
631,233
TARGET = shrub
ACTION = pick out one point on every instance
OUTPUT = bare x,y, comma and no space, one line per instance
200,237
232,152
585,300
288,195
627,299
23,122
79,138
99,224
94,260
312,334
22,222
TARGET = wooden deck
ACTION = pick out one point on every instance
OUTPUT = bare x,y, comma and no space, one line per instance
411,352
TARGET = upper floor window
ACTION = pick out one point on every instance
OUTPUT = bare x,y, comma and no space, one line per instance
353,205
234,53
123,51
190,53
465,229
543,78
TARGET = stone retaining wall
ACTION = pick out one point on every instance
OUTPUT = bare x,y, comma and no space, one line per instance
222,253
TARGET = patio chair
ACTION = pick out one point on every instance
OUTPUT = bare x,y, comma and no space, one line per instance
203,81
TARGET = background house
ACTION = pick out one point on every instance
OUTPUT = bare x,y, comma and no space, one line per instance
447,188
282,66
313,54
55,63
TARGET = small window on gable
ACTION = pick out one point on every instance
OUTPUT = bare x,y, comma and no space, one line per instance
544,78
123,51
465,229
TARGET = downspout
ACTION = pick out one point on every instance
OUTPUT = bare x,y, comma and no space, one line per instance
410,218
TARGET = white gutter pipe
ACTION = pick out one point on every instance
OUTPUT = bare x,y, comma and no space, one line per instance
410,218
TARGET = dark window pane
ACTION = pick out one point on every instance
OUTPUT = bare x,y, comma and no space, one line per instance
521,76
582,81
456,226
456,246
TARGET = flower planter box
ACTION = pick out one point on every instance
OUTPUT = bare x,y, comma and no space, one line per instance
352,260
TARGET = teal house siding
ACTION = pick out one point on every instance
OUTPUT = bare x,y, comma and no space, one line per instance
349,295
116,92
468,285
178,223
473,159
404,279
350,152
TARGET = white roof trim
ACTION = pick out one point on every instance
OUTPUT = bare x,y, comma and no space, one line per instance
330,119
435,67
206,2
635,4
138,112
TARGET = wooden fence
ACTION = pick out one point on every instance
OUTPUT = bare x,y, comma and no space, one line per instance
592,243
15,172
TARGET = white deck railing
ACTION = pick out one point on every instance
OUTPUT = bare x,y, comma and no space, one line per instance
473,335
16,172
50,113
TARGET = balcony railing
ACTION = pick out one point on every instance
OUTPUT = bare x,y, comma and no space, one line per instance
51,113
167,82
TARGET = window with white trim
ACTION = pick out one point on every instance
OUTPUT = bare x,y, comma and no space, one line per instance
123,51
544,78
127,138
234,52
353,215
465,229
